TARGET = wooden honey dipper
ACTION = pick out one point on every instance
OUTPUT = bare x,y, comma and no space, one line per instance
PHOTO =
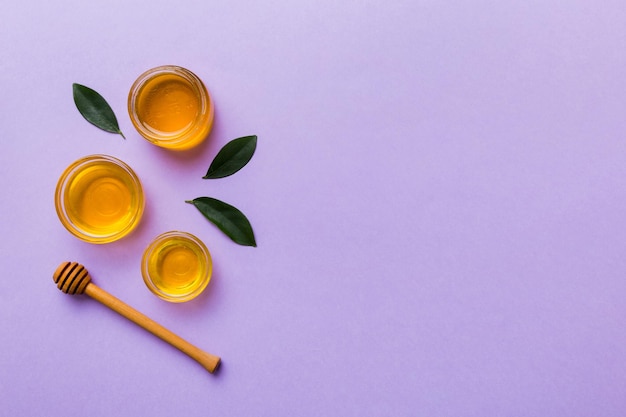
73,278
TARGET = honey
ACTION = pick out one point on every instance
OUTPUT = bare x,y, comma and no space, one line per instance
170,107
99,199
176,266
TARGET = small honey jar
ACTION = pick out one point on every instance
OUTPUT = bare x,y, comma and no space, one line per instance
171,107
99,199
176,266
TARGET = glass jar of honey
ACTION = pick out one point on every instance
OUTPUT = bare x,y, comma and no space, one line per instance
171,107
176,266
99,199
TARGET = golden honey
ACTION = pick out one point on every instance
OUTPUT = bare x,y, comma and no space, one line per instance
99,199
170,107
176,266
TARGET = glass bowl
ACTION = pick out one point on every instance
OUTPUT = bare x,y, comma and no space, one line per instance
176,266
99,199
170,107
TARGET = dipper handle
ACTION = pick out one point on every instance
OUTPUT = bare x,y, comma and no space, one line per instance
73,278
208,361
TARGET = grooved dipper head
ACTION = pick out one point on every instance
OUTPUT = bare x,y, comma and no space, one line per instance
71,278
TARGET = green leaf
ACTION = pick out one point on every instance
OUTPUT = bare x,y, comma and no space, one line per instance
227,218
95,109
232,157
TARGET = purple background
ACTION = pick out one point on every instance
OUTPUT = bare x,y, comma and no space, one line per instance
438,195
